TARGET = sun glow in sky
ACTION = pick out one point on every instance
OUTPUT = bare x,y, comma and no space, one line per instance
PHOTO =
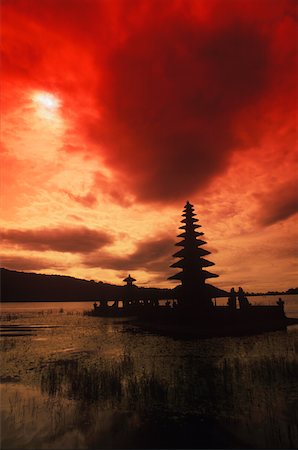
114,113
47,105
47,100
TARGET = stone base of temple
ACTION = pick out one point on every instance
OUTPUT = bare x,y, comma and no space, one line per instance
221,321
203,322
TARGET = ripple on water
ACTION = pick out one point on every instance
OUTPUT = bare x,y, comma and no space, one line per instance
96,384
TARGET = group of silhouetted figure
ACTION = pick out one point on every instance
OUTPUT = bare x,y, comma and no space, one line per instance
242,300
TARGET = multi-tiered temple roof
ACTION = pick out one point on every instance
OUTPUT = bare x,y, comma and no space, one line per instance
129,280
192,261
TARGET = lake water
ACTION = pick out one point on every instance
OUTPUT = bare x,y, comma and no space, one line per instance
78,382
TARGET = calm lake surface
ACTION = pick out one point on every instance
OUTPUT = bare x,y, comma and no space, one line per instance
78,382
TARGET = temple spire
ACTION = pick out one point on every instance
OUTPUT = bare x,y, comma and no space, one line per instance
192,261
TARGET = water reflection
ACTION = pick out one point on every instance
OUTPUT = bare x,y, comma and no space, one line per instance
95,384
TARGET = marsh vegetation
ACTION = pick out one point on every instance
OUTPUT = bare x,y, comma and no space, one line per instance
84,382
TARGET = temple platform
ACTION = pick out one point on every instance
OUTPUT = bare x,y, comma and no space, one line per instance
214,322
218,321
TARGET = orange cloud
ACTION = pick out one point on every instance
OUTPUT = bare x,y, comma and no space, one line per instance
152,255
73,240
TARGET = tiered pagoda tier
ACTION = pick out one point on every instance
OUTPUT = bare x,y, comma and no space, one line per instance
129,280
192,262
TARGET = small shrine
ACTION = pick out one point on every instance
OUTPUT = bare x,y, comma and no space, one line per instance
129,292
129,280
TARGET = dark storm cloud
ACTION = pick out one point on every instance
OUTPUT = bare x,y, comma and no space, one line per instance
171,95
73,240
153,255
279,204
170,81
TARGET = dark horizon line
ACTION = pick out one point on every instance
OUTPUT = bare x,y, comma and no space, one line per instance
271,292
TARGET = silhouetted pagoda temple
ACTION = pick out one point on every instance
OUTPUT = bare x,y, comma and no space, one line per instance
189,309
193,291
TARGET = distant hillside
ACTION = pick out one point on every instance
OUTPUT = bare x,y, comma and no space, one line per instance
23,286
292,291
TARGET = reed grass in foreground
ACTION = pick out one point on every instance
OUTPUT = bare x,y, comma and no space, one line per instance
217,393
94,384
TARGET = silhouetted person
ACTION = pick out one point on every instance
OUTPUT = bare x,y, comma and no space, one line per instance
103,303
243,302
168,303
232,301
280,303
94,305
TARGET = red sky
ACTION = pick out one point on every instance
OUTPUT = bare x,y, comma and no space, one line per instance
115,112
